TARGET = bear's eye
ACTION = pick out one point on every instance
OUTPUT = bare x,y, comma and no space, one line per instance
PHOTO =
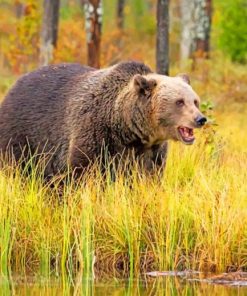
196,103
180,102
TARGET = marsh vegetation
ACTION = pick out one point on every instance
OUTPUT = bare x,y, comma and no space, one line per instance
194,218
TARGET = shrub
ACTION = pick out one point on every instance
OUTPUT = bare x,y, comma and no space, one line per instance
233,30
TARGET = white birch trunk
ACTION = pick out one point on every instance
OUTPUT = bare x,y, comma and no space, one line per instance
187,23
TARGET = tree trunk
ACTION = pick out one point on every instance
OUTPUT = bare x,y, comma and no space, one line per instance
187,27
93,16
19,9
49,30
162,39
120,14
203,12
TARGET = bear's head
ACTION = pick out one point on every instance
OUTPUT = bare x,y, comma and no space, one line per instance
171,105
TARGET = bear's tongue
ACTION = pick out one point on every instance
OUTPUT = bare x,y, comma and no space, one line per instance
186,134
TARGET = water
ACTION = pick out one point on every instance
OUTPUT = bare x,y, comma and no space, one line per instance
148,287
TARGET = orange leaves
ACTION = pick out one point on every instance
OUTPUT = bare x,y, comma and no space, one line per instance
22,46
71,46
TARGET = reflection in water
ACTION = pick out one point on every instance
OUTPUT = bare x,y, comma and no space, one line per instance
81,286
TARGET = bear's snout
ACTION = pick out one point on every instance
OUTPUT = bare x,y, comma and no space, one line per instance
200,120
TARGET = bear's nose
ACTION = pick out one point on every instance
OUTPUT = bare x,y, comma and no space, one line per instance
201,120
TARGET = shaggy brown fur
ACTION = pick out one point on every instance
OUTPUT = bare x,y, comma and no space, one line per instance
76,113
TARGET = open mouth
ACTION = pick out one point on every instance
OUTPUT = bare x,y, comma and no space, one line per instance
186,134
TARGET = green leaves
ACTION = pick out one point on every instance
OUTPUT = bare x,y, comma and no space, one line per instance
233,30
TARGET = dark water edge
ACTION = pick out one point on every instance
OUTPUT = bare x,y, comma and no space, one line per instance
146,286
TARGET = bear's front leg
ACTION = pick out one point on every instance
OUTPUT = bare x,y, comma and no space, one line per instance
154,160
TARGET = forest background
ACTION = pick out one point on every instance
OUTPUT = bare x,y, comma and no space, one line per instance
197,216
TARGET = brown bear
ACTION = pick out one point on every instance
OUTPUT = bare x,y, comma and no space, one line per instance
75,113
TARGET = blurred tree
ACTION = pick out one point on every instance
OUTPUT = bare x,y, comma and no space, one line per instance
19,8
195,27
202,28
187,26
49,30
93,16
120,14
162,38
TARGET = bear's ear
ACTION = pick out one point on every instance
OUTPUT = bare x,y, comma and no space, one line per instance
185,77
143,85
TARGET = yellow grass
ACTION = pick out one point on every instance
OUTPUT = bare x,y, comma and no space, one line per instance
195,217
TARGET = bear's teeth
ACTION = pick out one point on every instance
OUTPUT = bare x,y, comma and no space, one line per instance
186,133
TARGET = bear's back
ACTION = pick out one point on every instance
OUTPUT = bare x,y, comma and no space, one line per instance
43,84
36,105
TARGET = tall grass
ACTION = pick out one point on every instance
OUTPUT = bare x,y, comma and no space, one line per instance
195,217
